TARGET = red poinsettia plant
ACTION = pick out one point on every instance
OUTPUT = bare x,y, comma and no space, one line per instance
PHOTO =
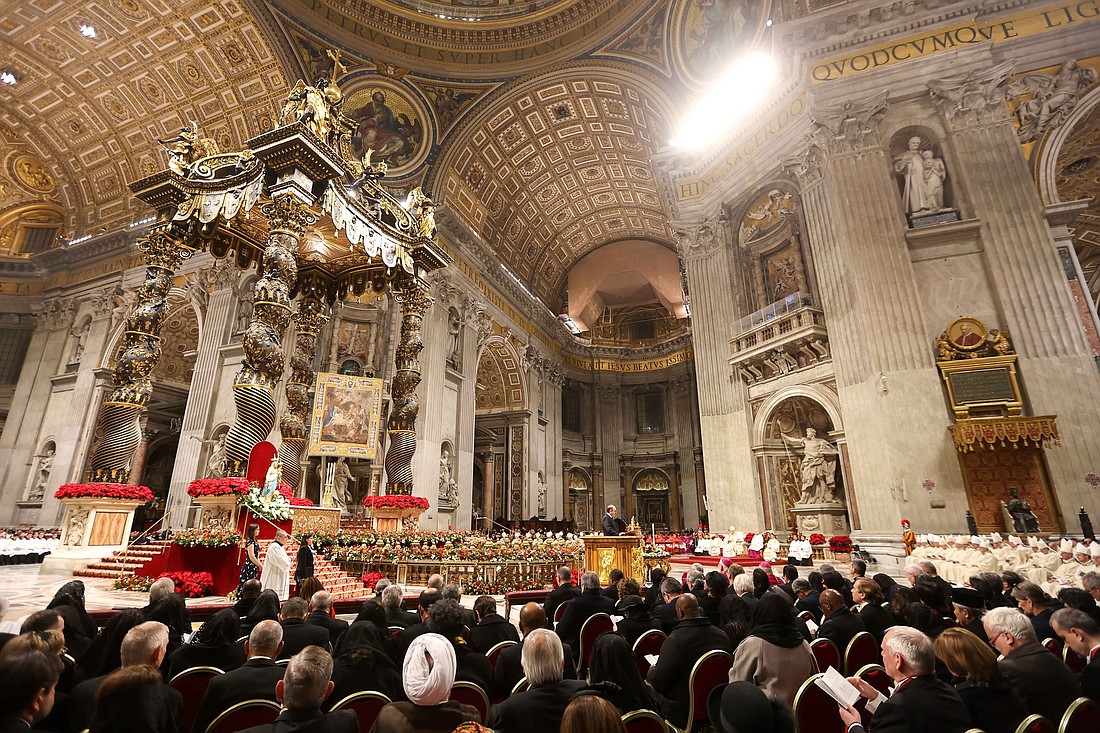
396,501
104,491
817,539
300,501
191,585
749,536
840,543
217,487
371,579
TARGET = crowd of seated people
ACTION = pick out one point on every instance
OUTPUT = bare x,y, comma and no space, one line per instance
960,656
21,546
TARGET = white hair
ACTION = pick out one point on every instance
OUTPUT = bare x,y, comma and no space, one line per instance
542,657
321,601
1010,621
392,595
590,580
141,643
742,584
161,589
913,646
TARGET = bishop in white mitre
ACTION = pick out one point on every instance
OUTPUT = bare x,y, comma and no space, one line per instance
276,572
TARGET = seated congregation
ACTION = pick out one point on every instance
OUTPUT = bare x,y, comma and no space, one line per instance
733,650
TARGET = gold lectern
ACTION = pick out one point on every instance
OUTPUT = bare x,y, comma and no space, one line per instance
604,554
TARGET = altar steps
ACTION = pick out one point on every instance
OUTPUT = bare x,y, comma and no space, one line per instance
340,584
130,561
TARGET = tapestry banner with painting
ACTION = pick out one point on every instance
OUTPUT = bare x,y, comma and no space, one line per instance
347,412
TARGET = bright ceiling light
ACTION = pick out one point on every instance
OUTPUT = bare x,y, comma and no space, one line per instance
88,31
7,77
727,102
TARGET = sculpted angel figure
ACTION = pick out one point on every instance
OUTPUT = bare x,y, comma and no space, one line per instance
182,154
1055,97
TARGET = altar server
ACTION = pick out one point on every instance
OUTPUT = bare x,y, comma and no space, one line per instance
276,572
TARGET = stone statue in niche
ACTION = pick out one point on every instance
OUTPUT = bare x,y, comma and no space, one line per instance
818,467
340,478
934,174
214,467
244,308
1023,519
923,175
80,339
542,496
448,487
45,465
454,330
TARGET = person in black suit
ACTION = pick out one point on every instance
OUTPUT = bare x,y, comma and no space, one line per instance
509,668
564,593
250,591
839,624
254,680
297,634
304,567
305,685
428,598
808,598
920,702
930,569
30,679
445,618
608,524
146,643
581,608
492,628
392,598
692,637
321,615
540,708
612,589
1041,679
666,612
868,597
1081,634
790,573
637,619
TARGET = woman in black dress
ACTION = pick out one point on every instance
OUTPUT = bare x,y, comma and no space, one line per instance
251,568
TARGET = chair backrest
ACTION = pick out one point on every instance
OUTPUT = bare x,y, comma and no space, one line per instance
712,669
862,650
243,639
243,715
560,611
1082,716
465,633
282,662
1073,660
520,686
596,624
815,711
1035,724
191,684
807,616
470,694
875,675
644,721
494,654
1053,645
826,654
367,705
648,643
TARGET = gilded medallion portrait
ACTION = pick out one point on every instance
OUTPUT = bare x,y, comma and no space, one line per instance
711,34
388,121
966,333
30,172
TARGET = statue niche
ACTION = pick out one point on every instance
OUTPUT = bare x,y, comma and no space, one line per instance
922,178
769,248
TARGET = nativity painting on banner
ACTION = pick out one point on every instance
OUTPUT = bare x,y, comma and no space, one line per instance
346,416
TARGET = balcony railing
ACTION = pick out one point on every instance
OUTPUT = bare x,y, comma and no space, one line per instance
786,336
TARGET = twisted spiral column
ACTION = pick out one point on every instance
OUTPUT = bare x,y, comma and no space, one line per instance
254,385
118,430
294,424
401,426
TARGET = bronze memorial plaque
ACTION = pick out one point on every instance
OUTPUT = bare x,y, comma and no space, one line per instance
982,386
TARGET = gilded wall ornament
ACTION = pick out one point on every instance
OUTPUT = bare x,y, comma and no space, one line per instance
33,174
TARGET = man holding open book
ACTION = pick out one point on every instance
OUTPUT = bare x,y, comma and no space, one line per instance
919,702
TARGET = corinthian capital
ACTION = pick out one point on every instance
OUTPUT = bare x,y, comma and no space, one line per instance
699,239
443,288
974,98
808,166
850,127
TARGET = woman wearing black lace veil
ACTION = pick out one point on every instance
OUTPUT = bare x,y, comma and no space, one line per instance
80,629
613,663
372,612
266,608
105,653
213,645
172,612
360,663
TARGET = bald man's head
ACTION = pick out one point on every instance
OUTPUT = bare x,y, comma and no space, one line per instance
687,606
531,617
830,600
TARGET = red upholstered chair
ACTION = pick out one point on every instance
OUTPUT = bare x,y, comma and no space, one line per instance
648,643
1035,724
1073,660
815,711
807,616
470,694
862,650
1053,645
367,705
1082,716
243,715
826,654
191,683
875,675
494,654
560,611
396,631
712,669
644,721
520,686
596,624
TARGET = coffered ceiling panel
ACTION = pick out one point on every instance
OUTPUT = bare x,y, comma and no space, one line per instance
93,107
553,167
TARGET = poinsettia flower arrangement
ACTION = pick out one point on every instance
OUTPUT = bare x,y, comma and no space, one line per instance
396,501
218,487
300,501
840,543
817,539
207,537
371,579
104,491
191,585
132,583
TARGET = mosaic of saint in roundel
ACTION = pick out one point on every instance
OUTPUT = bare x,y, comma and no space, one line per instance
388,121
709,35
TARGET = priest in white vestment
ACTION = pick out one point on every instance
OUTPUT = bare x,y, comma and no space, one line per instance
276,572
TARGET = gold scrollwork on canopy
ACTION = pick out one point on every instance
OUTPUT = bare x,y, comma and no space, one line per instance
1002,432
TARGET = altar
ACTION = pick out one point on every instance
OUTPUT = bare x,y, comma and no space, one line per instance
603,554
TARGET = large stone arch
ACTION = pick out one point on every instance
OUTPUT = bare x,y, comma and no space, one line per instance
502,386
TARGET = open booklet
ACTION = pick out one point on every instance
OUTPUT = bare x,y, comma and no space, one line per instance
812,626
838,688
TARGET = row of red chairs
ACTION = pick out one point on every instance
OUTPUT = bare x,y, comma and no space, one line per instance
862,650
